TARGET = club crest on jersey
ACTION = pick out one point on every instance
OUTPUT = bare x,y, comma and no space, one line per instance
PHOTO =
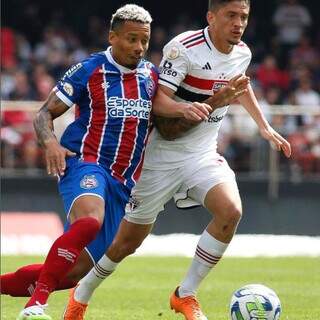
150,87
218,85
173,53
68,88
132,204
89,182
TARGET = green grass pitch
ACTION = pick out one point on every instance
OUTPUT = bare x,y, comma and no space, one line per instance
140,288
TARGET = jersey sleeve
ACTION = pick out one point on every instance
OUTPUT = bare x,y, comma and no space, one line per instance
174,65
72,85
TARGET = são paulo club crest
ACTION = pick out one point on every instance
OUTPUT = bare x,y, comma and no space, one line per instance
132,204
89,182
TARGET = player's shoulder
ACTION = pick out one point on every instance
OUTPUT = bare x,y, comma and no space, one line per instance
93,61
183,43
82,70
188,39
243,49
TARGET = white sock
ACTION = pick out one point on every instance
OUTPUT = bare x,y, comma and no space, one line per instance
94,278
208,253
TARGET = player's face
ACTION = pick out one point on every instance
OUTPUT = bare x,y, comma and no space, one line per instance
129,42
229,21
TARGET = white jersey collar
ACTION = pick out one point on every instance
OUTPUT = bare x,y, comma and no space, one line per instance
122,69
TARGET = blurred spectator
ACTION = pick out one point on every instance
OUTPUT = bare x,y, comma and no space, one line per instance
291,18
22,87
305,53
19,146
8,48
44,85
269,74
306,96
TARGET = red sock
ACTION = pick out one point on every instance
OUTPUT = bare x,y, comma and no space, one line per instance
62,257
23,282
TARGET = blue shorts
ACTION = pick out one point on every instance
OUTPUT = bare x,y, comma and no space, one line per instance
83,178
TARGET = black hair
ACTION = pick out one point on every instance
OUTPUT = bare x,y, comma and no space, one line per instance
214,4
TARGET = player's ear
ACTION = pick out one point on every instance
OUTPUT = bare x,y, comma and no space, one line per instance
210,18
112,37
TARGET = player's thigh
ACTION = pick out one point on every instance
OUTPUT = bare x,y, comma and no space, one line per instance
153,190
213,185
87,206
224,199
83,188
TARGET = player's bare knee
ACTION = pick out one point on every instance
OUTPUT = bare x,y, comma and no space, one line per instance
91,207
232,216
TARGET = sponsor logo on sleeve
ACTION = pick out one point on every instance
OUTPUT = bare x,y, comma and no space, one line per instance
173,53
73,70
68,88
167,69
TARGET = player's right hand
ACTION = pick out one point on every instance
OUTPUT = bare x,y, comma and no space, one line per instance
55,156
235,88
197,112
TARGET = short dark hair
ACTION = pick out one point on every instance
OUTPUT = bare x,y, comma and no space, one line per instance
214,4
129,12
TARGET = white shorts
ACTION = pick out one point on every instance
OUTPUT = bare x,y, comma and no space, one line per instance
191,182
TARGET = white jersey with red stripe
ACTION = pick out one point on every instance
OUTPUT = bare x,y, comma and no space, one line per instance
194,69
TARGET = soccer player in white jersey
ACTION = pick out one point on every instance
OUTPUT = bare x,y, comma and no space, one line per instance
182,156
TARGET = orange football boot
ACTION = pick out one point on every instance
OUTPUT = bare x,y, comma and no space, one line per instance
188,306
74,310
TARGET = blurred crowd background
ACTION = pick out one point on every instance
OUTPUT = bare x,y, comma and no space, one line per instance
40,41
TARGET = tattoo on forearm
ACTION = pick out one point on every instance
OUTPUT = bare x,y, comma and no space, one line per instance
43,125
172,128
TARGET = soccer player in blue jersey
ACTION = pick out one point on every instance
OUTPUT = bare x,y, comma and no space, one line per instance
100,155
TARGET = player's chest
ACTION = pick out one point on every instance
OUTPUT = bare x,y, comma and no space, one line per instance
214,68
127,87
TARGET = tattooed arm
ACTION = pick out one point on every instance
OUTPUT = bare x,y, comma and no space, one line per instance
172,128
43,124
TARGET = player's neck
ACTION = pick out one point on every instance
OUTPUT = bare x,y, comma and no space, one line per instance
119,62
220,44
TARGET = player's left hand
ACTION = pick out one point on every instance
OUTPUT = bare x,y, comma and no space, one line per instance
196,112
276,140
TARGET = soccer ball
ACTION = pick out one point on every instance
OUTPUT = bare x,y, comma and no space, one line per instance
255,302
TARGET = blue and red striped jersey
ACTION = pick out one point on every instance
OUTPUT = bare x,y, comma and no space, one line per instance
113,121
